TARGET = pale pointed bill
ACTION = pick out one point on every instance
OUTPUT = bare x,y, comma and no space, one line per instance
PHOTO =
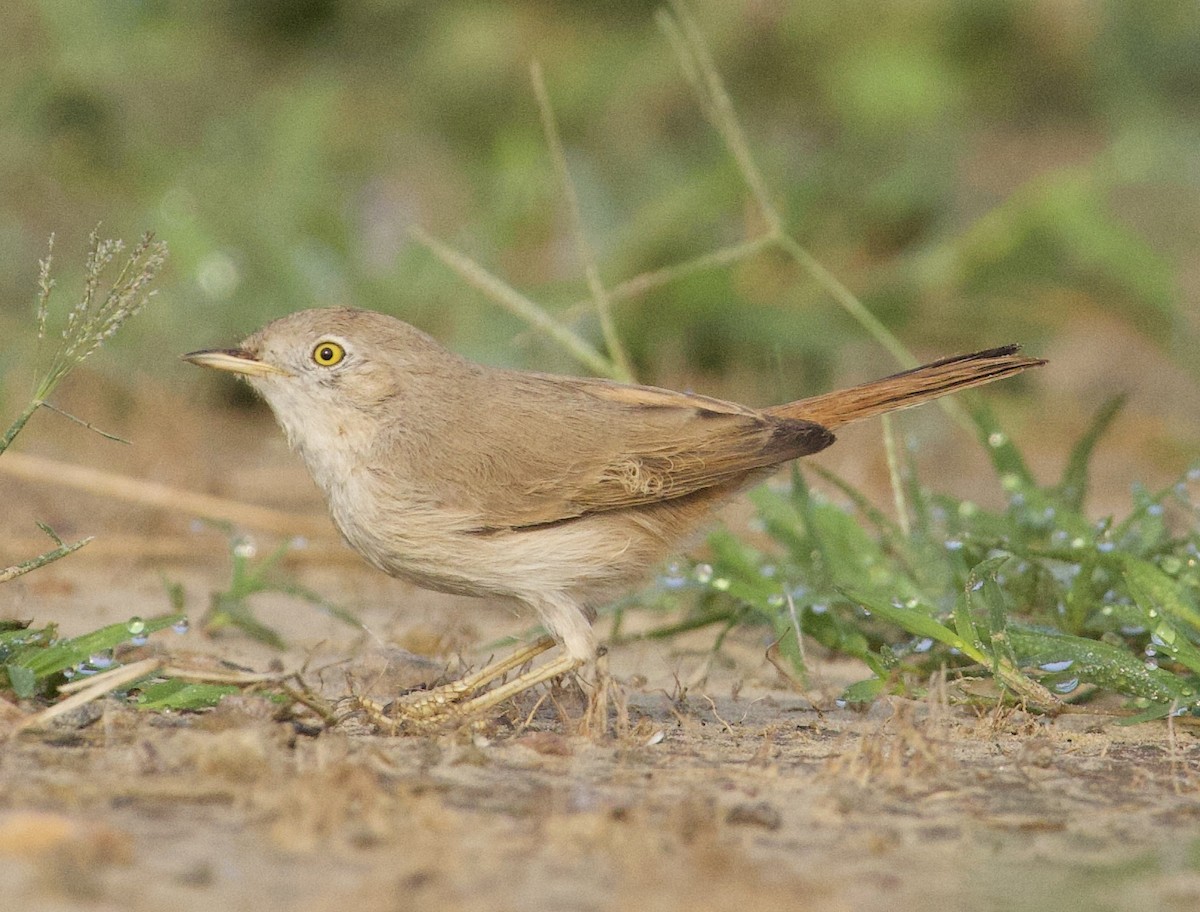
234,361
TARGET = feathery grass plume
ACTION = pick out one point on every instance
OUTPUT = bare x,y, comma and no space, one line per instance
95,318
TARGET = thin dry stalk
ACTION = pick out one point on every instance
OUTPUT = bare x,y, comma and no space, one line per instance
159,496
587,256
63,549
688,41
647,281
500,292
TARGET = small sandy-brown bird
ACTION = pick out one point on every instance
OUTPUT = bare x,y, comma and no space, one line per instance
555,491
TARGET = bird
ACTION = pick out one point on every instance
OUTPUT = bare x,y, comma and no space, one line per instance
555,491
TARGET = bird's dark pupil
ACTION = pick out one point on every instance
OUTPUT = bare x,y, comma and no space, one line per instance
327,354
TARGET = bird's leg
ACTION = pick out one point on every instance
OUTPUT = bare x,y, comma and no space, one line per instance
465,686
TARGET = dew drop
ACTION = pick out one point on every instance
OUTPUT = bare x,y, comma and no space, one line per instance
1010,481
977,585
1067,686
1155,509
1105,547
953,544
704,573
181,626
997,439
136,626
100,660
1193,474
721,584
245,548
1054,667
673,577
775,600
819,608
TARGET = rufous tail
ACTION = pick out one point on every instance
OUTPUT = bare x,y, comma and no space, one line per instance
909,388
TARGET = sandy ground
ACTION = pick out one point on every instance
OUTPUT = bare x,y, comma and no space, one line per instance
725,790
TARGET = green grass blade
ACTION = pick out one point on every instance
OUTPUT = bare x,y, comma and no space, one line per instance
1006,458
1157,593
919,624
1112,667
49,660
22,680
1073,487
182,695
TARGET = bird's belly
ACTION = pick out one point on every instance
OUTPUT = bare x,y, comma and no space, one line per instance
592,556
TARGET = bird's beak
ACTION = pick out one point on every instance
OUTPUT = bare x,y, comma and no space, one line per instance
235,361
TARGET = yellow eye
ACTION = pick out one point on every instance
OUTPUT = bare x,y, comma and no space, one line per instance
327,353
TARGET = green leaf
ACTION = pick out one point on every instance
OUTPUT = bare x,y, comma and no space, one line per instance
847,552
22,680
1156,592
982,587
1006,458
864,691
1111,667
1008,674
876,516
1072,490
11,641
917,623
182,695
44,661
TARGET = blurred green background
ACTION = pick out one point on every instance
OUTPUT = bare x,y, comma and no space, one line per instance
978,171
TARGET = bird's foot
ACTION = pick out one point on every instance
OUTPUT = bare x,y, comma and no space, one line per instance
464,699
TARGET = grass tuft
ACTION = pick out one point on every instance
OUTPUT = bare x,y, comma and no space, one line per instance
250,576
1051,605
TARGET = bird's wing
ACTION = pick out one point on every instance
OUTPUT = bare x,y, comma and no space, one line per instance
616,446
